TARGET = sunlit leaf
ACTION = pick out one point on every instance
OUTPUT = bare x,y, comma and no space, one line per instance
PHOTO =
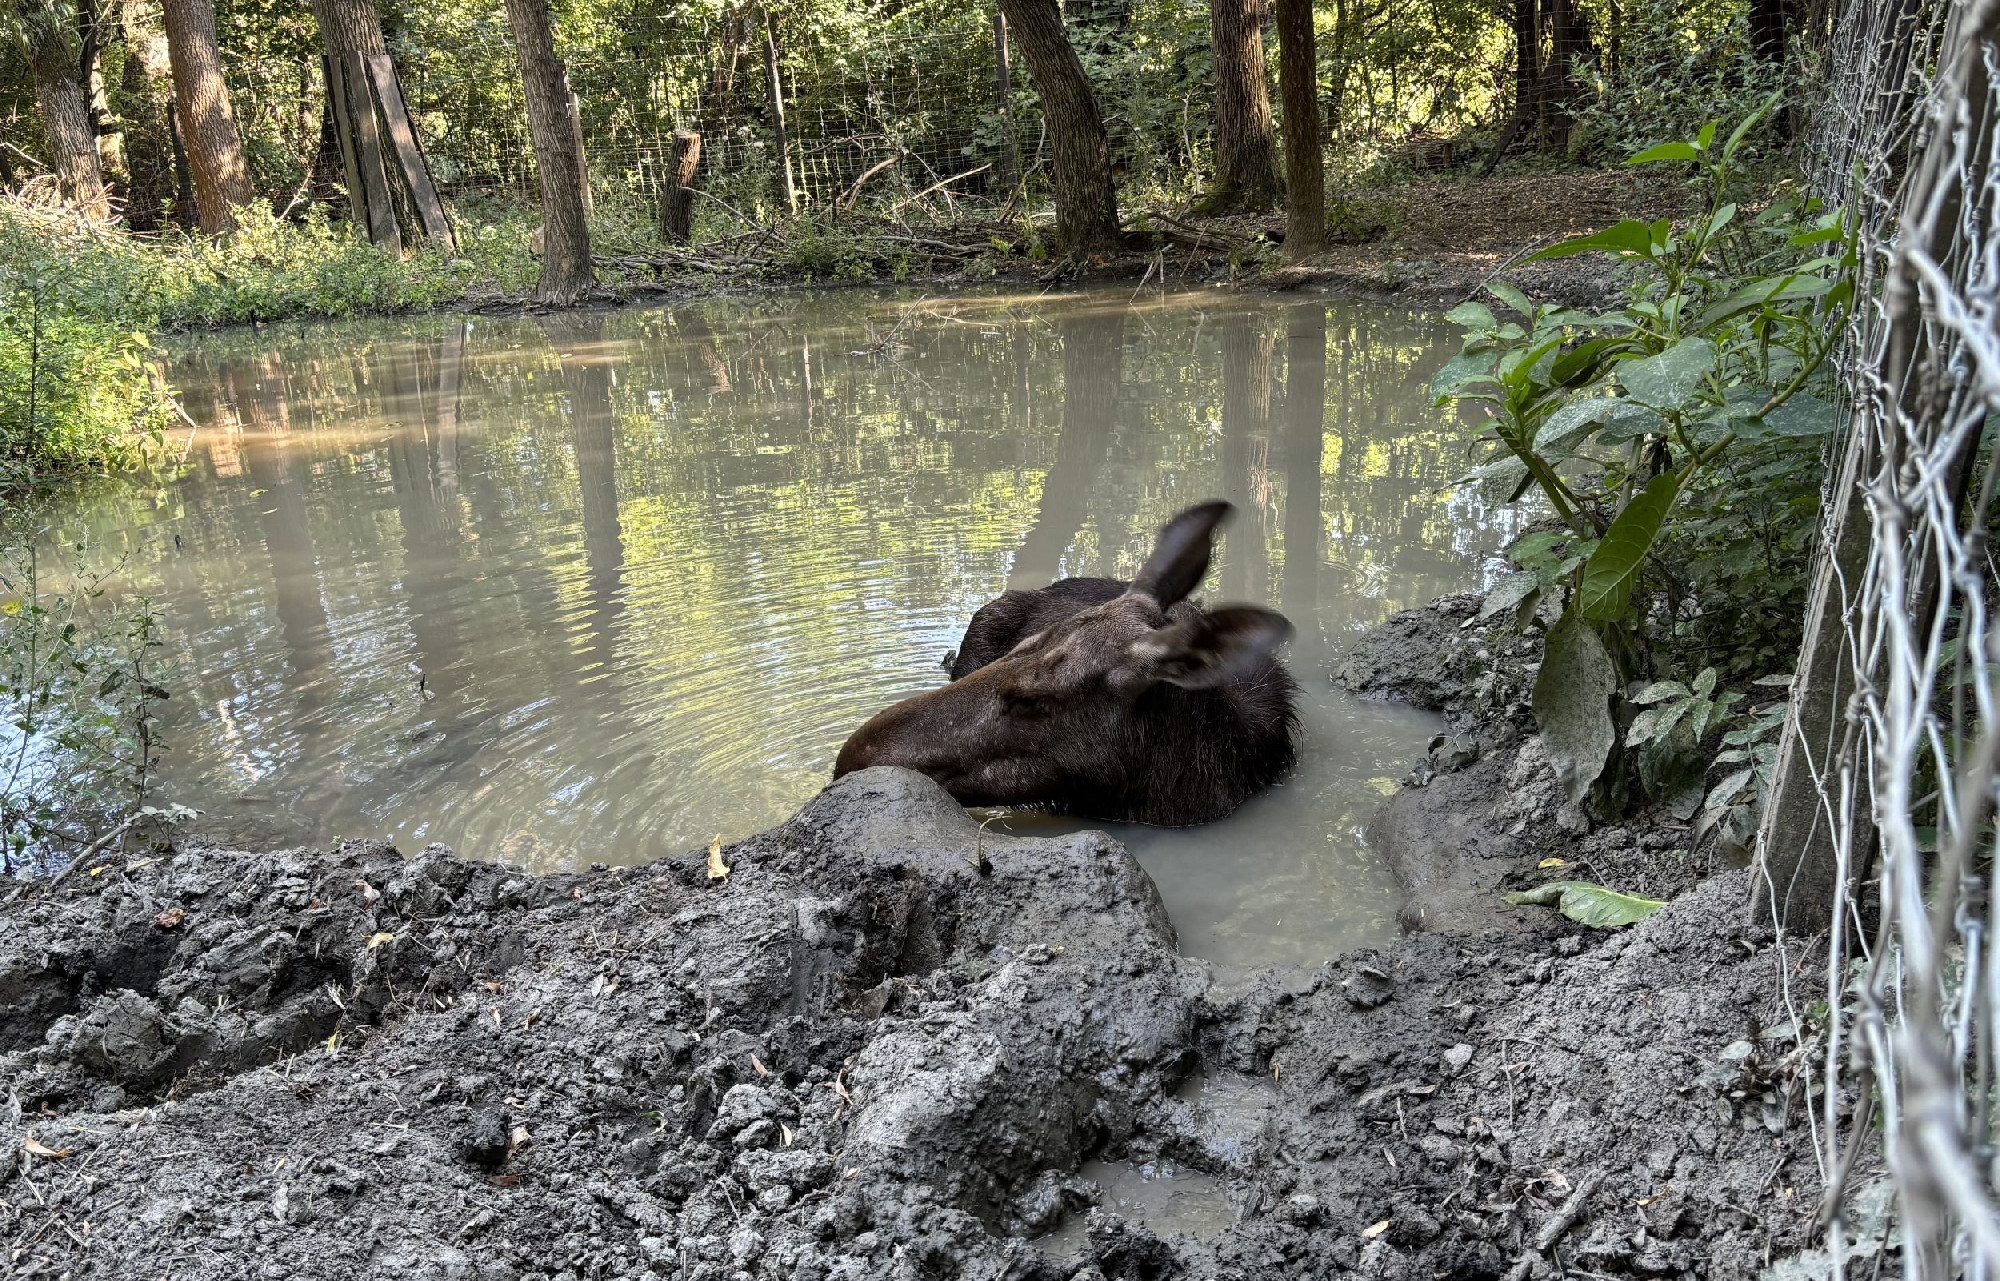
1589,904
1666,151
1672,377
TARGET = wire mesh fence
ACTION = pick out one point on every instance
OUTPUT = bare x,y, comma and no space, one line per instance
1880,830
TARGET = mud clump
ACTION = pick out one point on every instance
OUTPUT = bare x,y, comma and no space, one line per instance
887,1043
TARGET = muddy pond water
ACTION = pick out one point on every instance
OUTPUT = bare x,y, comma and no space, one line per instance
595,588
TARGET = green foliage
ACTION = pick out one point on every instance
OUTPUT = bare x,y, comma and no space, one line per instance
76,389
1674,436
1589,904
79,693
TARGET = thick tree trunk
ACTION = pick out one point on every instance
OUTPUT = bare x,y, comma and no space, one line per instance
677,199
566,273
397,202
1305,174
1246,154
1086,205
208,125
65,113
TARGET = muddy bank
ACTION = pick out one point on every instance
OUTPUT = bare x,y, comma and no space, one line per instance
883,1045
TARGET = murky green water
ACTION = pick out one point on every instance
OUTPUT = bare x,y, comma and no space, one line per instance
596,588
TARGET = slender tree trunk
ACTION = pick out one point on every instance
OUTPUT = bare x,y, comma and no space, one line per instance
90,33
1003,101
566,273
65,113
1305,174
208,125
184,203
143,89
775,86
1305,446
1246,158
1086,205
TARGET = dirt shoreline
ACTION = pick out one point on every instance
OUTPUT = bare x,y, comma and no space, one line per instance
882,1045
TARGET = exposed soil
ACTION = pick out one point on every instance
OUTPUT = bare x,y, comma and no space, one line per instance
1428,243
882,1045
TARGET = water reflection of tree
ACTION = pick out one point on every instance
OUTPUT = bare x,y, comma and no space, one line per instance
1093,348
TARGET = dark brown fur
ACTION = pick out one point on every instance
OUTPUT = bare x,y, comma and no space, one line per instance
1105,699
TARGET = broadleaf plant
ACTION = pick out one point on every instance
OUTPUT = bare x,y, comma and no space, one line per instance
1673,437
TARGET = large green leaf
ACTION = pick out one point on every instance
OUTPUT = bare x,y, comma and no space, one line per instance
1473,315
1509,592
1568,426
1473,365
1573,703
1613,569
1668,380
1588,904
1666,151
1628,237
1772,292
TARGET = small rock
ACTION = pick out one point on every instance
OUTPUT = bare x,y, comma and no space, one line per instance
1367,988
1571,818
486,1138
1449,754
1456,1058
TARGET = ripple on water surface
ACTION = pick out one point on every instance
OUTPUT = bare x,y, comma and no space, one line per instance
596,588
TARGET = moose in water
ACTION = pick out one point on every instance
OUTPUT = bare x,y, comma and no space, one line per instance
1107,700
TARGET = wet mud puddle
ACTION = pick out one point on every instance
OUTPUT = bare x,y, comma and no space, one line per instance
1222,1115
594,588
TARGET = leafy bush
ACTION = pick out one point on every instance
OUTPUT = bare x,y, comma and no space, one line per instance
1675,437
80,696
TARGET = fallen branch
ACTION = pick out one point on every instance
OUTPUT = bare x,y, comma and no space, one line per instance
90,852
854,192
938,185
1560,1222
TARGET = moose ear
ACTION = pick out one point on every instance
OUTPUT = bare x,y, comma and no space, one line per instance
1180,555
1204,652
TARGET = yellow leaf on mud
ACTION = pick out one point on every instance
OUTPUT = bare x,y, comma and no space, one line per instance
99,869
516,1139
377,940
717,869
1375,1229
784,1134
38,1149
761,1069
1551,862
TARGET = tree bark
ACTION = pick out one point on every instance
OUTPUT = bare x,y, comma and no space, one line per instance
143,89
775,87
1246,158
677,200
397,203
1086,205
1305,447
208,125
566,273
90,78
1527,82
1003,101
65,113
1305,174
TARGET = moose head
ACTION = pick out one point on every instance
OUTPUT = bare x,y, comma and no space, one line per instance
1105,699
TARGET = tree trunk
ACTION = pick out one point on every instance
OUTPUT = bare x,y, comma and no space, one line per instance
1003,101
65,113
397,202
1770,25
775,87
143,89
677,200
208,126
1086,205
103,125
1527,82
1246,159
566,273
1305,447
1305,174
